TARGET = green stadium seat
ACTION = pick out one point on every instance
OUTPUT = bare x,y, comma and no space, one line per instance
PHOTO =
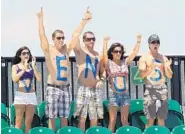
156,130
174,105
136,105
137,117
98,130
11,130
179,130
128,130
41,130
3,109
69,130
175,116
5,122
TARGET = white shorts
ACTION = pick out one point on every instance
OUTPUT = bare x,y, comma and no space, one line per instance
25,98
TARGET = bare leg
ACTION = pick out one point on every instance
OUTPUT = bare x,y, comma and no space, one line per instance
51,124
150,122
82,123
112,117
30,109
19,113
161,122
124,115
64,122
94,122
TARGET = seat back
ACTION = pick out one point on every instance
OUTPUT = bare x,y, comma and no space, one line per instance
3,109
138,119
174,119
5,121
98,130
11,130
157,130
69,130
179,130
128,130
41,130
136,105
174,105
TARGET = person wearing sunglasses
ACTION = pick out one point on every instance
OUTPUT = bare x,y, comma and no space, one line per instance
117,73
58,92
25,97
89,96
154,68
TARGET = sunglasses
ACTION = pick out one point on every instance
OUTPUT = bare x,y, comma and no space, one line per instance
59,38
155,42
117,51
24,53
89,39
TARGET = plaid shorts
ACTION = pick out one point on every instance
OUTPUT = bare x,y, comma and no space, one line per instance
153,95
58,101
89,101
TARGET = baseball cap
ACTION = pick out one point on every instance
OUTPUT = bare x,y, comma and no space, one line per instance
152,38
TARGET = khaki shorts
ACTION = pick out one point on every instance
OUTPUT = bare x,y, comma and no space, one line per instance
151,95
89,101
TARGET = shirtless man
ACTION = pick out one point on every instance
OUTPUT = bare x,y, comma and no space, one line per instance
58,93
154,67
89,96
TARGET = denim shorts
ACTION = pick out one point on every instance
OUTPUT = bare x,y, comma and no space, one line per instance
118,99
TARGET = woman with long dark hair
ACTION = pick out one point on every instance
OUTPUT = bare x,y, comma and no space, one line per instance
117,70
25,97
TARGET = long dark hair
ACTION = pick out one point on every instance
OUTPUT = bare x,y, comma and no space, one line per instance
111,49
17,59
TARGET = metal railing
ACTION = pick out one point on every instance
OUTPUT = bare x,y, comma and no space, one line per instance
176,85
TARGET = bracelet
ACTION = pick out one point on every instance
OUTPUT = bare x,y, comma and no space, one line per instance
138,41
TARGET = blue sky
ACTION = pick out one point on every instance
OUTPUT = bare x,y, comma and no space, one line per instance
120,19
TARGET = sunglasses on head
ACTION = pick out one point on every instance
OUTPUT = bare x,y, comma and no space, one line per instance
24,53
89,39
117,51
155,42
59,38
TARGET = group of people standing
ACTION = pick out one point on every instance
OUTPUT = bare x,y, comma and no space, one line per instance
94,69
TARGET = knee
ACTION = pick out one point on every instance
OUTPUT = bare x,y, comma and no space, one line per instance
161,121
124,118
28,120
82,120
150,122
113,119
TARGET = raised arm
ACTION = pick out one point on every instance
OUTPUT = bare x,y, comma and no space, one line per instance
43,39
74,42
16,76
45,46
37,74
167,68
130,58
105,49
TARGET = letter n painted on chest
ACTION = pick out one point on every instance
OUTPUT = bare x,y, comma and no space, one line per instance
89,65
